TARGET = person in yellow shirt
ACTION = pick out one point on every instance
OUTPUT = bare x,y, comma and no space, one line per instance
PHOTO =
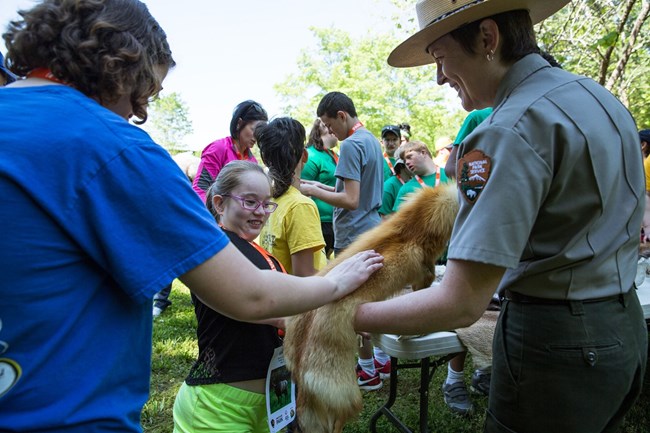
292,234
644,136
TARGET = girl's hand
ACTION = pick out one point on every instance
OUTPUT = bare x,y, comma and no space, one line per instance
354,271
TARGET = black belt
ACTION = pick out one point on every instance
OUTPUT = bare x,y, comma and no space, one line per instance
525,299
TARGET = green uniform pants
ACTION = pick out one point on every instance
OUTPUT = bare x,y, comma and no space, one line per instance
574,368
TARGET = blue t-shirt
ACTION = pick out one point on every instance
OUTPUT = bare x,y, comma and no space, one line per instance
96,218
360,159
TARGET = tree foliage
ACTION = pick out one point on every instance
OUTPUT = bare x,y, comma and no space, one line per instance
382,95
169,122
608,41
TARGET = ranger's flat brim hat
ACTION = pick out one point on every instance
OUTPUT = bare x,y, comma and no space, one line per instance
439,17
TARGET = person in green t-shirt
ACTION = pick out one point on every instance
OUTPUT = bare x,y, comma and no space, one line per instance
390,139
460,401
473,119
418,159
393,184
320,167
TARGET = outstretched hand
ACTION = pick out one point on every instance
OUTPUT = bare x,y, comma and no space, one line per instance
354,271
308,186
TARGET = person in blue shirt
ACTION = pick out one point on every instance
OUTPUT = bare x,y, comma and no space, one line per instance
83,251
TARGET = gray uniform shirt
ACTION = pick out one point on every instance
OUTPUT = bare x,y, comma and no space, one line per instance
360,159
564,196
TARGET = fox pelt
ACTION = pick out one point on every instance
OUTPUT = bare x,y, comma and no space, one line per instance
320,346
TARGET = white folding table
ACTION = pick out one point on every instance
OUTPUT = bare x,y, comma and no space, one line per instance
432,351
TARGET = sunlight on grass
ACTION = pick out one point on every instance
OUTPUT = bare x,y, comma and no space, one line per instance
175,349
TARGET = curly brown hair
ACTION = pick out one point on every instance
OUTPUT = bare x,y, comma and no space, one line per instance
104,48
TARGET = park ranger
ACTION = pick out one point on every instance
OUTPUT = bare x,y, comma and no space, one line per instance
551,186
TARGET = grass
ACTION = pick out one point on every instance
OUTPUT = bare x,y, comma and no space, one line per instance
174,351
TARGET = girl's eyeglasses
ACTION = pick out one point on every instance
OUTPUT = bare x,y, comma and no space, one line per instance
252,204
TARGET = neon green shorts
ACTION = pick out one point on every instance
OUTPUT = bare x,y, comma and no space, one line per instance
219,408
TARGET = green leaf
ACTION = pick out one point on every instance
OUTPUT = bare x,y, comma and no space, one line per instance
608,40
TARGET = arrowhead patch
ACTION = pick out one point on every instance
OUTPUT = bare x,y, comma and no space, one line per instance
473,172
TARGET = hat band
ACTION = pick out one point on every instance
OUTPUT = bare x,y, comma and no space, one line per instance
452,12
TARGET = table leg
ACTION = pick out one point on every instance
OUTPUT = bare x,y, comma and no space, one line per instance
424,394
392,395
427,370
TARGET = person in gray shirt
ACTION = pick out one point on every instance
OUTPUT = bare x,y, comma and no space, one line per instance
359,172
356,198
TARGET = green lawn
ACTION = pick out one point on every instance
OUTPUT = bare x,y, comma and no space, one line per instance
174,351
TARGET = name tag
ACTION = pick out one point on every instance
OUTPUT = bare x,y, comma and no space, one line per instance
280,393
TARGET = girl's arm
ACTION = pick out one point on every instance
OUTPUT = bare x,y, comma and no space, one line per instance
230,284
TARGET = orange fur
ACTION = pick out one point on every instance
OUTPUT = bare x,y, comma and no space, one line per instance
320,346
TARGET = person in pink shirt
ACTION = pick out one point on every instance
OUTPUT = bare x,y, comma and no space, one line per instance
245,118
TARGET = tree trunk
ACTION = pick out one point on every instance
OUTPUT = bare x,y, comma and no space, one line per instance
629,48
607,57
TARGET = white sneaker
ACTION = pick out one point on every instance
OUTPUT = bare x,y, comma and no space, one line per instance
157,311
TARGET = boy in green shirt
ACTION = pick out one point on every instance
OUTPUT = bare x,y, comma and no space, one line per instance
418,159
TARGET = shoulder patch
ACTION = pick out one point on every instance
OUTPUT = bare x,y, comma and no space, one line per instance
474,171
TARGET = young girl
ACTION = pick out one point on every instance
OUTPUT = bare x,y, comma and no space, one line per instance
224,390
293,233
320,166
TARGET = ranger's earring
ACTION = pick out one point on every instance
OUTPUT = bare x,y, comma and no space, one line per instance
490,56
